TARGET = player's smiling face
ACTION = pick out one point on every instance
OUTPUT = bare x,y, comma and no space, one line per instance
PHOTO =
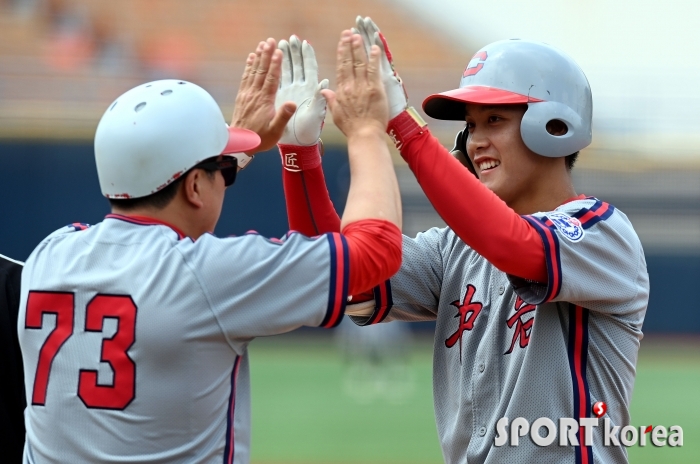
500,157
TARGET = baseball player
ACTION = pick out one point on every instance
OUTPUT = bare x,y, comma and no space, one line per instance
538,293
134,331
12,385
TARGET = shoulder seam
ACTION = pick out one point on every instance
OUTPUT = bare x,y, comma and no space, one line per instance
230,341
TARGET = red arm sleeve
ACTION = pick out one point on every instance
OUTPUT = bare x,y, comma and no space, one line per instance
374,249
474,212
309,207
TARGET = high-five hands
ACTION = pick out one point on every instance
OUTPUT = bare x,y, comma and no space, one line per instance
360,101
281,99
396,94
299,84
255,102
404,121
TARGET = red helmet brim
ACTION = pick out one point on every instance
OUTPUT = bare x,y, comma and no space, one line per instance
450,105
240,141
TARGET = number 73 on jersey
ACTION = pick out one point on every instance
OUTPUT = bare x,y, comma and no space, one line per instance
121,392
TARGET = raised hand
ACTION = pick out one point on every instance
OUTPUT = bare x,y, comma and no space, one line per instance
396,94
360,101
299,84
255,101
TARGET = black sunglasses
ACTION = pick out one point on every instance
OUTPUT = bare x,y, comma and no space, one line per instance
228,165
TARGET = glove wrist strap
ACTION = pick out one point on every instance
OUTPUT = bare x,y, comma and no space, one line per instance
405,126
296,158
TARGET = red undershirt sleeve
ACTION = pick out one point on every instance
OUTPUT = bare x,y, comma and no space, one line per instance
309,207
374,249
475,213
311,212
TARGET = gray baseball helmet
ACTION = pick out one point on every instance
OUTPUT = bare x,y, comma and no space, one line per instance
524,72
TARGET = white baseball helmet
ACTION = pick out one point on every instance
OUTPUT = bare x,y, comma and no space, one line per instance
539,75
152,134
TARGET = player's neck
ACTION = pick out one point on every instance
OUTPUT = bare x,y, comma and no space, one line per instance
545,194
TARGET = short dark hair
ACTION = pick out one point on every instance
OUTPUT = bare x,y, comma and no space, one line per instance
558,127
571,160
158,200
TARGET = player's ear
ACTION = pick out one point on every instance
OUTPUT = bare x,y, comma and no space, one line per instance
191,189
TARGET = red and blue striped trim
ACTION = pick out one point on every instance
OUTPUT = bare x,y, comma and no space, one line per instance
340,273
146,221
383,303
78,226
229,450
600,211
552,257
578,359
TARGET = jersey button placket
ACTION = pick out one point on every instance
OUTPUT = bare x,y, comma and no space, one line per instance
482,431
482,366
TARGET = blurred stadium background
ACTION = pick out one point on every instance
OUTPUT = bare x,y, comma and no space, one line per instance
63,61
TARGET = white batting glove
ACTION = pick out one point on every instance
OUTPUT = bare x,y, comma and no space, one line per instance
299,83
396,94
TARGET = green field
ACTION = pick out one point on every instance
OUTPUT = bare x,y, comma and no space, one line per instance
304,412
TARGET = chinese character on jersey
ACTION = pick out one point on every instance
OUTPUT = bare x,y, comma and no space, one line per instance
467,311
522,328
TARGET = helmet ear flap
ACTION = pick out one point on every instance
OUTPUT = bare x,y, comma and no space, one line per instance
460,151
533,129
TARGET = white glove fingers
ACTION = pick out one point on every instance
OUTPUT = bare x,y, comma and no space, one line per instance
297,59
362,30
374,32
384,60
369,29
370,26
359,25
287,73
310,64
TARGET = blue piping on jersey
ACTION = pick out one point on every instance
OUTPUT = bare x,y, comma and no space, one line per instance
383,302
229,449
337,297
578,360
551,255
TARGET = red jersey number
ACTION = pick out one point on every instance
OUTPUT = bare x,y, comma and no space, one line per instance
121,392
38,304
114,352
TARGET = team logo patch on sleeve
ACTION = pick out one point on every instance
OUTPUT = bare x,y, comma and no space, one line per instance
569,227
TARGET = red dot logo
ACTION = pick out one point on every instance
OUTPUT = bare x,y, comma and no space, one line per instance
599,409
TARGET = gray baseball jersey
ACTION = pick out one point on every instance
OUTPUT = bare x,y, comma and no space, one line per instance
135,338
507,347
